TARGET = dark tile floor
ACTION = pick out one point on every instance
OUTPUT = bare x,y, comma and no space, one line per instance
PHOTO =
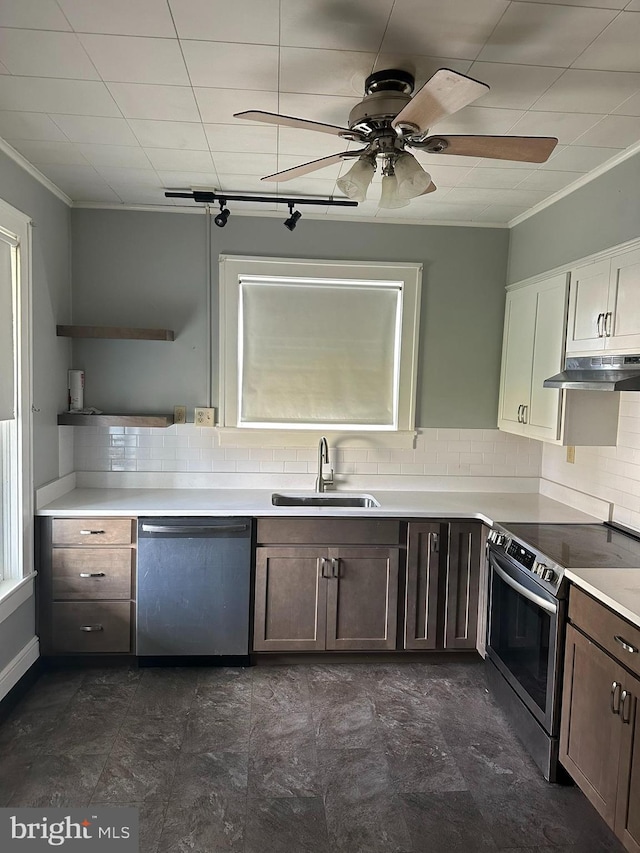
344,758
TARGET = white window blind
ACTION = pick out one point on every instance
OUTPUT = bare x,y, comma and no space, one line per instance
319,352
7,359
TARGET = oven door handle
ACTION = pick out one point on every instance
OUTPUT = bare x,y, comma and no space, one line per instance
523,591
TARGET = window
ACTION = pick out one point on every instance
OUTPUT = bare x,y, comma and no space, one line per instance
16,524
309,345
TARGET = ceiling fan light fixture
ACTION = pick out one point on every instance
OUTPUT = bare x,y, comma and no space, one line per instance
412,178
356,181
389,197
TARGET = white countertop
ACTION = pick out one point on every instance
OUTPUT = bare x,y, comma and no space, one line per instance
619,589
485,506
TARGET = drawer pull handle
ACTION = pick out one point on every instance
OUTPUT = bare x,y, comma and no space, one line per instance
91,628
91,574
90,532
615,697
625,645
626,715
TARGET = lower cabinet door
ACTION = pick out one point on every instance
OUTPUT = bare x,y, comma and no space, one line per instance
291,596
463,585
423,574
591,730
362,598
628,805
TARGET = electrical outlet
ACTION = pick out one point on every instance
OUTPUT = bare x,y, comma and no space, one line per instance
571,454
179,414
203,417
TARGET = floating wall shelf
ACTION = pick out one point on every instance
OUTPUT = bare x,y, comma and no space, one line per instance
73,419
121,333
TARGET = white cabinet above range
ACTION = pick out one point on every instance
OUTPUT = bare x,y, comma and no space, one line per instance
604,306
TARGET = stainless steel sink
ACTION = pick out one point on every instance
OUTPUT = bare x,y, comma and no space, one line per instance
323,499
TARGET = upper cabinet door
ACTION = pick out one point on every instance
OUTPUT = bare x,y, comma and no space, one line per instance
517,358
543,417
622,322
588,300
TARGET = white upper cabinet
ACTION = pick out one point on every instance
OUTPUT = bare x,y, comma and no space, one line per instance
517,357
604,306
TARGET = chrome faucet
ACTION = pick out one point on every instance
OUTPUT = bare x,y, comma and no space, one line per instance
323,457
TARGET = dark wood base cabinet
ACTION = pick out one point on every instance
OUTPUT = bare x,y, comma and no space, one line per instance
600,732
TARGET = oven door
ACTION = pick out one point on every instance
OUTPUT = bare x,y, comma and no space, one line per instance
524,622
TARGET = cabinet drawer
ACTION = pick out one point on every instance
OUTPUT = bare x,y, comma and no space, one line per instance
328,531
111,624
604,626
96,573
91,531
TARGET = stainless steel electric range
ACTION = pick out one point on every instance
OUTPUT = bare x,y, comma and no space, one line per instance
527,614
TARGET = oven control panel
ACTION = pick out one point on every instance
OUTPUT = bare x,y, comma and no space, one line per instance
535,562
525,557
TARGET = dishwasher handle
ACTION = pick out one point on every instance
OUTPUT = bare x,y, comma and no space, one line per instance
178,529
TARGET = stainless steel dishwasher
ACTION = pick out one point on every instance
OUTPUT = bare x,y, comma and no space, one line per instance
193,587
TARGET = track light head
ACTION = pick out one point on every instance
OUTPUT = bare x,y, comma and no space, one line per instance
292,221
223,216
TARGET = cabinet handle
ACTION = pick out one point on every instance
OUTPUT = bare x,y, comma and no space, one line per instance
625,645
525,410
92,574
626,717
322,562
335,567
615,697
520,413
434,542
89,629
599,326
90,532
608,317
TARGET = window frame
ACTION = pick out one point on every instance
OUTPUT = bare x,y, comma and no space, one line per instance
14,584
233,267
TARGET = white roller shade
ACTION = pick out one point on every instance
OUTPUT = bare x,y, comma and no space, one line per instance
7,368
319,352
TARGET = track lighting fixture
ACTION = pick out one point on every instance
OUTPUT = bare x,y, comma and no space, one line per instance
292,221
223,216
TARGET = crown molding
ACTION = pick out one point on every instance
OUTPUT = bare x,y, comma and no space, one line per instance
17,157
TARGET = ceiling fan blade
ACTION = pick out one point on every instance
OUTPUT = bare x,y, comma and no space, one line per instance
443,94
528,149
312,166
300,123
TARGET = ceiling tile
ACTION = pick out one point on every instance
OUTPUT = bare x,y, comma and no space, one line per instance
35,53
176,179
217,106
309,185
630,107
19,125
245,164
357,25
479,120
457,28
117,175
136,194
574,158
234,183
533,34
120,17
613,132
589,91
131,59
500,213
98,192
248,21
124,156
44,95
231,137
307,142
447,176
515,87
167,160
226,66
599,4
422,67
3,69
32,14
324,72
543,179
446,160
169,134
437,211
106,131
367,208
332,109
634,6
71,176
617,48
493,178
567,127
164,103
486,195
50,153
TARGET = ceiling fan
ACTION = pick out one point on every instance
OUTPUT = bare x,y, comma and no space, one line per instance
388,121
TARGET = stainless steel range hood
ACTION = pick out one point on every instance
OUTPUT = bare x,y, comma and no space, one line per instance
598,373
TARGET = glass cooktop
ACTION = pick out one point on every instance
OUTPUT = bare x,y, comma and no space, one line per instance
580,546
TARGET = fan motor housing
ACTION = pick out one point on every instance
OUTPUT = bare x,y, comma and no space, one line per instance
387,92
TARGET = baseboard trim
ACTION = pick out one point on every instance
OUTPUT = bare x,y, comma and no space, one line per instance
19,666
